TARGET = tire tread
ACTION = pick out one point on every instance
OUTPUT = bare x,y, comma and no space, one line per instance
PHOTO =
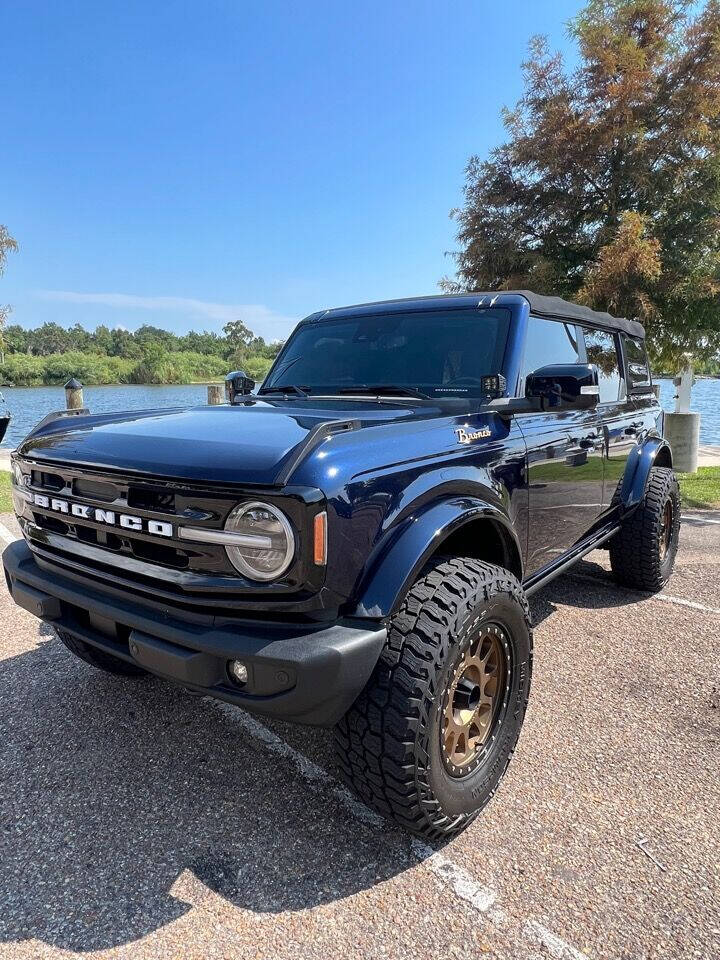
377,740
635,549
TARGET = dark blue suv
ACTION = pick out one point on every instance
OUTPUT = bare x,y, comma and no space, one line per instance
353,544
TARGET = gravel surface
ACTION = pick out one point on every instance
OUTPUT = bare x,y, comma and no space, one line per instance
139,821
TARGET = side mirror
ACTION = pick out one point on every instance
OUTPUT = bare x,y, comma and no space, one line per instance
564,386
238,384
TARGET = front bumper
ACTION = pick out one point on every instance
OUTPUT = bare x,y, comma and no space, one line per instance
296,672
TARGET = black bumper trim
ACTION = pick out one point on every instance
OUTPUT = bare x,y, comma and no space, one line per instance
296,673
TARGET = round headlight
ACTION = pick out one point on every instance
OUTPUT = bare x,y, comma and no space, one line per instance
266,544
16,474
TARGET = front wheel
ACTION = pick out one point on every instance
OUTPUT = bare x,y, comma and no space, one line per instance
642,553
431,735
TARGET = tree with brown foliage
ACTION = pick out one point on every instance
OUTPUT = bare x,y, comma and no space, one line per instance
607,190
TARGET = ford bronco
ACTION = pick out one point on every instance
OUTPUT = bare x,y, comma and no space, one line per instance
353,544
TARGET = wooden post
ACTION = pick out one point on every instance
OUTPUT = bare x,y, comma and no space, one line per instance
216,393
73,394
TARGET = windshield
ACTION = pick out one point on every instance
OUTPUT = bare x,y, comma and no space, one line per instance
438,354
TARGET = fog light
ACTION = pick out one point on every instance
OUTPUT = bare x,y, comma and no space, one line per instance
238,671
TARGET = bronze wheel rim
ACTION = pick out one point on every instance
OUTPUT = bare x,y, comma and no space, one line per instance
666,529
474,699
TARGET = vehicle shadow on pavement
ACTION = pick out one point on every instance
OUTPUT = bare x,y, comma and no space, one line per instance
588,586
125,802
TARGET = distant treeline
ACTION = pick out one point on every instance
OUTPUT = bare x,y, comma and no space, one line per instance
50,354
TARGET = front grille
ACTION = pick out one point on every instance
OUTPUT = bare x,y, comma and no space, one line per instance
151,551
162,568
123,496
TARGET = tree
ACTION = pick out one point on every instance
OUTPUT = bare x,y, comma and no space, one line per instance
78,338
17,340
123,344
205,342
608,187
8,245
147,335
101,339
50,338
5,312
239,340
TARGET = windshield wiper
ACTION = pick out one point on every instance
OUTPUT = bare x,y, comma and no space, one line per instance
376,389
284,389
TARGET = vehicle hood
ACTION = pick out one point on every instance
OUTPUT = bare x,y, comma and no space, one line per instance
254,443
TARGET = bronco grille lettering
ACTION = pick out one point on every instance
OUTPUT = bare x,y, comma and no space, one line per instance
127,521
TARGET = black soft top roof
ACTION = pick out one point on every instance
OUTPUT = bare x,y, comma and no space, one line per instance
541,305
557,307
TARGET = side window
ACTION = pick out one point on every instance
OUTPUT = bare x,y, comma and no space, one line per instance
602,350
637,362
549,341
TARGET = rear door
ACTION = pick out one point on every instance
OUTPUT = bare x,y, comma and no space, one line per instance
619,419
564,453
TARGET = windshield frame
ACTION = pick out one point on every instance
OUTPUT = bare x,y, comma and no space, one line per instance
343,391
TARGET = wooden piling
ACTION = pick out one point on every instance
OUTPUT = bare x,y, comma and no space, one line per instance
216,393
73,394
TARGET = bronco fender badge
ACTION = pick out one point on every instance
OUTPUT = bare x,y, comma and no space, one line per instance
465,436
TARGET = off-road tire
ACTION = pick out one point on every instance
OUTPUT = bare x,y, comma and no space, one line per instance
100,659
389,742
637,557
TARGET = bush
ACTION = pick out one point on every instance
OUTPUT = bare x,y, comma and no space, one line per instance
21,370
157,366
257,367
161,366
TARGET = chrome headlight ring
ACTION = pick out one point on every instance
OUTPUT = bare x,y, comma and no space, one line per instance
258,539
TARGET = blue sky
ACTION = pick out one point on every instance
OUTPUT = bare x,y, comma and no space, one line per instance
183,164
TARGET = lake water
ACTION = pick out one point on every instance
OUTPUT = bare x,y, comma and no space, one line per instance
28,405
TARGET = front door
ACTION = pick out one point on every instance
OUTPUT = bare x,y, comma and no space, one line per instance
564,454
565,482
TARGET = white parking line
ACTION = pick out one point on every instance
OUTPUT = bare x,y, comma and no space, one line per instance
687,516
666,597
481,898
309,770
6,536
684,603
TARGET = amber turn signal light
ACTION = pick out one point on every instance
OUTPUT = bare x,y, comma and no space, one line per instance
320,539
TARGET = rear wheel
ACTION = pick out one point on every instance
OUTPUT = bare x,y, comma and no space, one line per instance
642,553
100,659
430,737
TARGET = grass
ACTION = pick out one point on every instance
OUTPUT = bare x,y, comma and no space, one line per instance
5,498
701,489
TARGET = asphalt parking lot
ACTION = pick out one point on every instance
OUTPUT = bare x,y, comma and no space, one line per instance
139,821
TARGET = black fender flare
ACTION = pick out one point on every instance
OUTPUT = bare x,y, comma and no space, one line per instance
386,583
637,470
